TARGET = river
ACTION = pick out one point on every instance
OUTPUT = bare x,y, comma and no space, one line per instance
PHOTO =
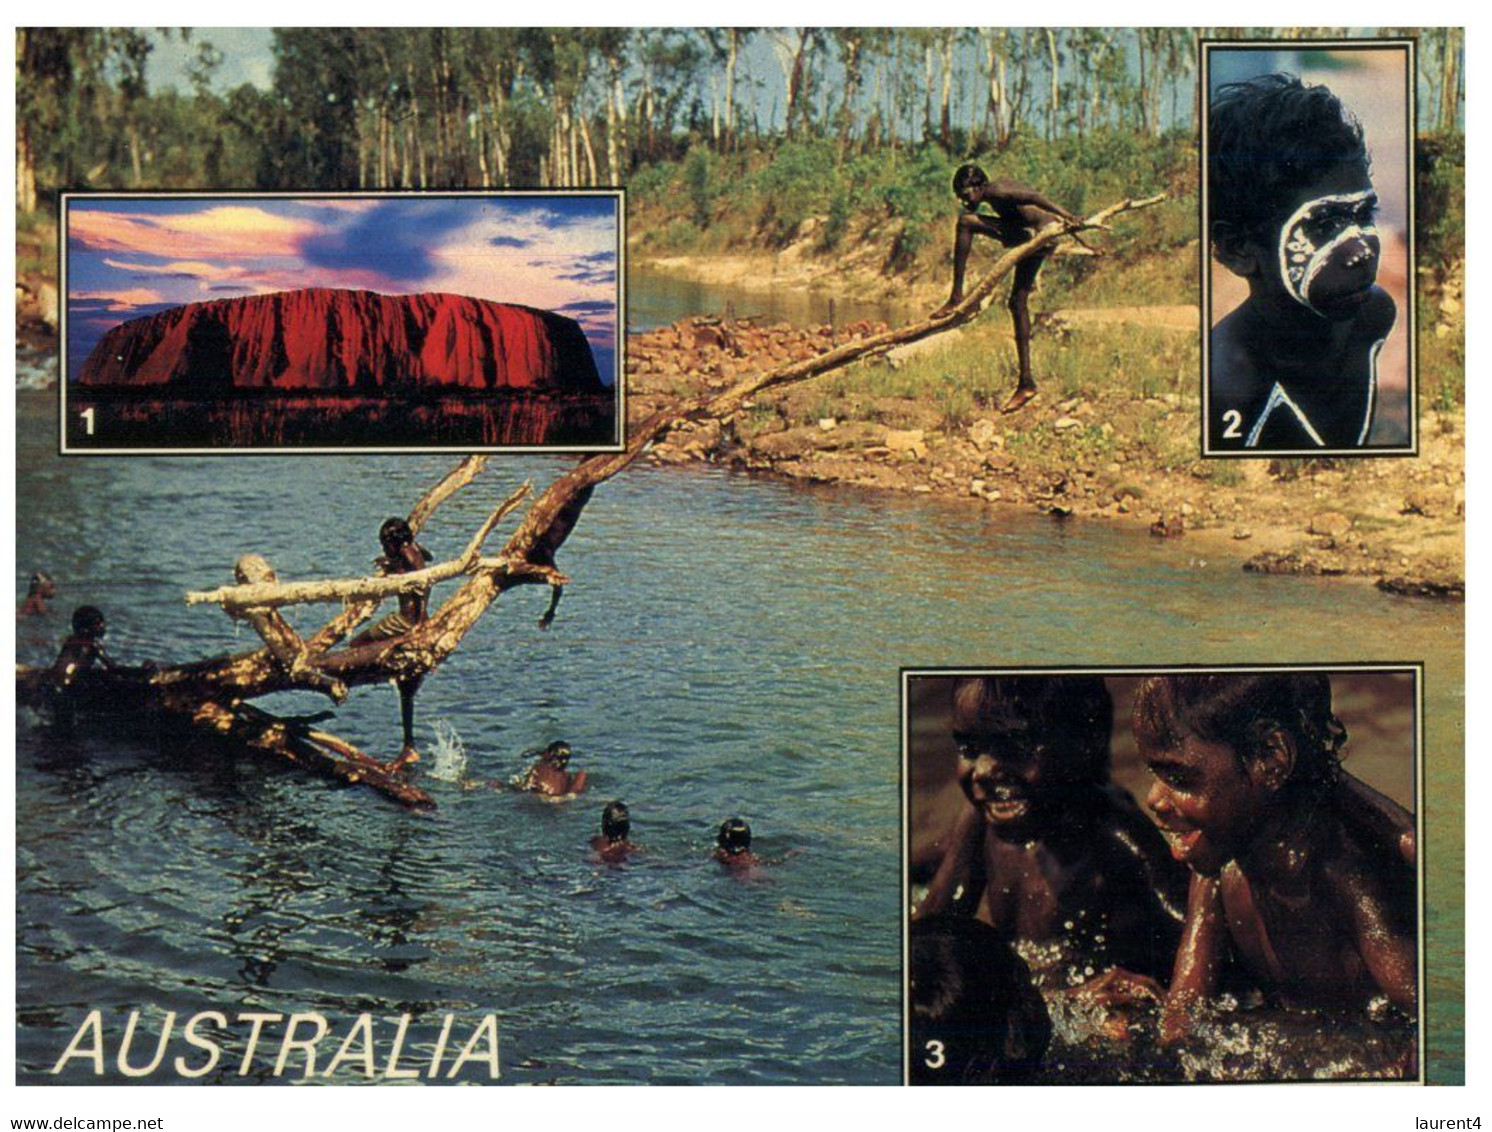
729,646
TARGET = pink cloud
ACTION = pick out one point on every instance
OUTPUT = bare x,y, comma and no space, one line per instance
225,231
121,301
340,204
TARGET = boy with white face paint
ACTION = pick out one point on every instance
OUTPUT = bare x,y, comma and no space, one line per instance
1292,211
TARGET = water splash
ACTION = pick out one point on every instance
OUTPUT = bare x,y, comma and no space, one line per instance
448,758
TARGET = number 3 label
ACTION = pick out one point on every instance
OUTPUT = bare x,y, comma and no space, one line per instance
935,1058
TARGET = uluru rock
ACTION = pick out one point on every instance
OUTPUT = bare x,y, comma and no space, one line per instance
352,341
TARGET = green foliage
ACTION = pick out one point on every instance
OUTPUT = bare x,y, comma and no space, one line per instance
1440,200
697,183
916,196
795,184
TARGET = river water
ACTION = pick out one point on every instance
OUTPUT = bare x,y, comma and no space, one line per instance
729,646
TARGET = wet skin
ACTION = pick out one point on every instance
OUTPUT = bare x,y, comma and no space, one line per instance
1061,860
402,558
78,654
548,776
612,852
1321,353
37,596
1311,906
1019,212
739,861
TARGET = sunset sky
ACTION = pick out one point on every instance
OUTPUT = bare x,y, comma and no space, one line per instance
132,257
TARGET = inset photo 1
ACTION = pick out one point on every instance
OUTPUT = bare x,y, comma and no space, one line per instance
1309,266
1163,875
392,322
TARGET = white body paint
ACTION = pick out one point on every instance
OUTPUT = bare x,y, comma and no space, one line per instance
1279,399
1300,259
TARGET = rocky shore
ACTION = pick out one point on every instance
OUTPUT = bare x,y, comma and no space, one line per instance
1396,522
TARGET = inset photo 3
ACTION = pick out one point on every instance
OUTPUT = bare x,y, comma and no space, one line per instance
302,323
1164,875
1309,269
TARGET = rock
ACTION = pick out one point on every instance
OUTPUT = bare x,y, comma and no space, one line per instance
708,337
46,304
982,433
1294,562
1168,526
828,424
1062,424
1242,533
323,338
1331,524
976,487
909,442
1442,584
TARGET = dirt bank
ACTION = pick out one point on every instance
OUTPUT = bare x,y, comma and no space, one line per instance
1398,522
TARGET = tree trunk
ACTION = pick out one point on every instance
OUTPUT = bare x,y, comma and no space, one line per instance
206,697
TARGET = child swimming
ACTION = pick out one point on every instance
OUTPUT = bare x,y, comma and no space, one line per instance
1296,884
1049,851
733,845
550,776
613,846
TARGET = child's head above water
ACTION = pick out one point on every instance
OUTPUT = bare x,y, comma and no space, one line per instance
1291,204
734,836
1227,749
616,821
1026,741
88,622
557,755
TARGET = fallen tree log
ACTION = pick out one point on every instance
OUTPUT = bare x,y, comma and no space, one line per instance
209,696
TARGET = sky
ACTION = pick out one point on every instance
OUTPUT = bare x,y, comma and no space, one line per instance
127,258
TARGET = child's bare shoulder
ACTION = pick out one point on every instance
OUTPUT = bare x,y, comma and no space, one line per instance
1004,186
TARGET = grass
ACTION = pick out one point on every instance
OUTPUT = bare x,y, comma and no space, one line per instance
763,199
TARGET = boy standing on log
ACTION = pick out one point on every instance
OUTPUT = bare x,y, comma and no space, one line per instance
401,555
1020,212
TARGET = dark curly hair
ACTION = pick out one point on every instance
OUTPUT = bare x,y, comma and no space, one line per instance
1271,135
1073,715
1243,709
972,1002
966,175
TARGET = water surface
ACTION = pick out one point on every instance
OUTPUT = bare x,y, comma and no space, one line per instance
729,646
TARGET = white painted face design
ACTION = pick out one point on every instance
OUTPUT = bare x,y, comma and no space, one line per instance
1316,230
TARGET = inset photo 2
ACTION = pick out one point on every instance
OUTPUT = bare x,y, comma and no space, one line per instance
342,323
1309,270
1165,875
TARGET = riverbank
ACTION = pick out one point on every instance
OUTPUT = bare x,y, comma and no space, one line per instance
1112,438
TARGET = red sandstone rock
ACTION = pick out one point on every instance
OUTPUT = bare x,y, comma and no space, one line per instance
320,338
